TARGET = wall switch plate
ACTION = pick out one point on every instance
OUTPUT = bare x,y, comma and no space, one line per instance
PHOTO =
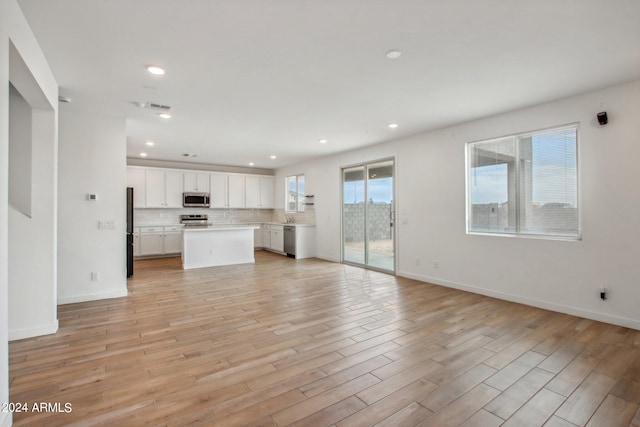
107,225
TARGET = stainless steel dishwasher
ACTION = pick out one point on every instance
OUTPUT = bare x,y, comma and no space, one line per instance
290,240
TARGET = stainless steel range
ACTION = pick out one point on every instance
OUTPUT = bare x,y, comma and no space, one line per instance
195,220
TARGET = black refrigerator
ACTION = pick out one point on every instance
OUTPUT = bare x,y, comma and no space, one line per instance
129,231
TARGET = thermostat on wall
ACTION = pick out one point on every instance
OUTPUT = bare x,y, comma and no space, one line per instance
92,197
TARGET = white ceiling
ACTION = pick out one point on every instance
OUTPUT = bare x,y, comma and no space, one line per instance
250,78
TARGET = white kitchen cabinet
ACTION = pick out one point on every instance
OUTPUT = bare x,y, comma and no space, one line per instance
157,240
219,189
267,200
172,242
236,191
197,182
173,188
305,242
151,241
163,189
266,236
227,191
155,195
257,237
136,179
136,241
259,192
277,238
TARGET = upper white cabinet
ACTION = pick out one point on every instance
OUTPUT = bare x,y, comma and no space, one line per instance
196,182
227,190
163,189
236,191
219,190
259,192
136,179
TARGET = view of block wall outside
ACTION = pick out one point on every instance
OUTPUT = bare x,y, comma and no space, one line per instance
379,221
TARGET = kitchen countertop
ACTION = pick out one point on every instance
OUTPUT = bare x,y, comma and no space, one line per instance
219,227
295,224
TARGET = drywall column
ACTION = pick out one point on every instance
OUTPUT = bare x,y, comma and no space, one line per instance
93,160
32,238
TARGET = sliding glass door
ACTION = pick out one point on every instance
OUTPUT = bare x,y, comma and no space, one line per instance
368,215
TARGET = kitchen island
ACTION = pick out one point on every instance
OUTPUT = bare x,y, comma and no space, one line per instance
217,245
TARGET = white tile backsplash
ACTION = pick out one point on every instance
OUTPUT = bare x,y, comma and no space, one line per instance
144,217
306,217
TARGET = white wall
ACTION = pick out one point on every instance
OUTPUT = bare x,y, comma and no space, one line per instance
15,34
564,276
32,241
92,152
20,152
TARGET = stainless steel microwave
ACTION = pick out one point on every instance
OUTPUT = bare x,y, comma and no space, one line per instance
195,200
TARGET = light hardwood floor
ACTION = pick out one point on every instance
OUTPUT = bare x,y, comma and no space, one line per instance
285,342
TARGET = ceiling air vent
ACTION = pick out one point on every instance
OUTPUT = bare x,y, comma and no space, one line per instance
157,107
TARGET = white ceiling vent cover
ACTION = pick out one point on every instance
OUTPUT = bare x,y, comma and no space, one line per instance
156,107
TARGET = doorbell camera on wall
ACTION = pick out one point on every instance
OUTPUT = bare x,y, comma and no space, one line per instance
602,118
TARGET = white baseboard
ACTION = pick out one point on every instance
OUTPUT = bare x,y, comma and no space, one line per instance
574,311
327,258
18,334
6,419
93,297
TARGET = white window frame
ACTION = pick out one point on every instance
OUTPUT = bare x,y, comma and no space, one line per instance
299,203
517,232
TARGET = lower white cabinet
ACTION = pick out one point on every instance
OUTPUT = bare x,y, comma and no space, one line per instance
277,238
172,240
159,241
257,237
266,235
136,241
273,237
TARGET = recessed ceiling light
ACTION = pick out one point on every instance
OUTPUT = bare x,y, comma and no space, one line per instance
392,125
394,54
165,116
155,70
143,154
251,163
322,141
272,157
150,143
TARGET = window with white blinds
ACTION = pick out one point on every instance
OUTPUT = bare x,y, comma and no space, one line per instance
524,184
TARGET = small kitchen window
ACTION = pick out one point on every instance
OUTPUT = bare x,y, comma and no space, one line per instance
294,193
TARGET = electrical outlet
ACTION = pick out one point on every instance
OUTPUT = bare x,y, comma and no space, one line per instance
604,294
418,262
436,265
95,276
